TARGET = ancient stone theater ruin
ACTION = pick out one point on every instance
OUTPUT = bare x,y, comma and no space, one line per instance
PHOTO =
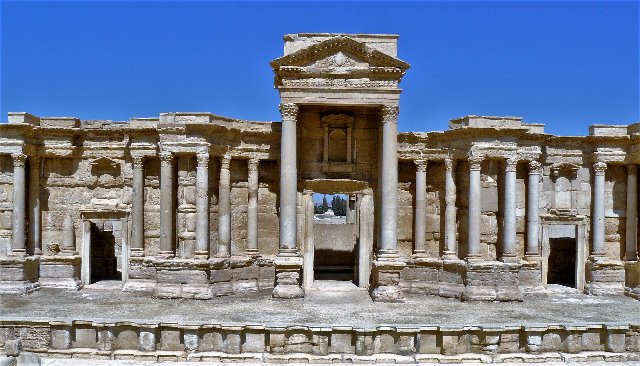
194,205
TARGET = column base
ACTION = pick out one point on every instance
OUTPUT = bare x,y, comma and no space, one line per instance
604,276
288,280
201,255
450,256
492,281
19,275
252,252
510,258
474,258
136,253
386,271
60,272
531,276
165,254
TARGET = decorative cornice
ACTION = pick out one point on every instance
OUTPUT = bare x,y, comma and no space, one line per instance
289,111
19,160
599,168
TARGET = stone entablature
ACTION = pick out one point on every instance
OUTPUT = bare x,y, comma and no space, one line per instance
464,204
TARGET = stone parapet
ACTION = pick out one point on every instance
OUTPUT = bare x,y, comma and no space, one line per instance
199,278
604,277
139,340
19,275
469,281
60,272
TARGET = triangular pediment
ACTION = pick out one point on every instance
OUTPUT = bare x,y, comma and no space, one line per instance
340,49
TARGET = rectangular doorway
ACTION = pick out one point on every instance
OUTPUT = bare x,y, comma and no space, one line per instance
104,254
334,231
562,262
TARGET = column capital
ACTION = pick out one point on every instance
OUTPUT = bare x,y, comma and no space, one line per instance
600,167
511,164
449,163
389,113
421,165
19,159
138,162
225,161
632,169
475,162
203,159
253,163
534,167
289,111
166,158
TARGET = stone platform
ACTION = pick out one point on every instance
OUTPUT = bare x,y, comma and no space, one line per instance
101,322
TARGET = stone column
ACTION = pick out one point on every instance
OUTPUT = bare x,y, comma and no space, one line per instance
288,180
533,211
252,207
631,238
288,263
421,204
309,249
137,208
18,247
450,209
68,246
224,208
388,180
166,205
202,206
35,227
509,250
474,210
597,249
366,212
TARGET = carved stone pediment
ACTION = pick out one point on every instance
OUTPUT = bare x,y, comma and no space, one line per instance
339,57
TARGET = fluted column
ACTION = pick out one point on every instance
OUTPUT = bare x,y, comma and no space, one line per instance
450,209
137,208
509,250
166,205
533,210
388,180
202,206
224,207
421,204
474,210
631,238
252,207
288,180
35,226
599,169
18,247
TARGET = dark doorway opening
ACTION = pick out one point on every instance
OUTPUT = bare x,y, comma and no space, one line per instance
104,263
562,262
334,238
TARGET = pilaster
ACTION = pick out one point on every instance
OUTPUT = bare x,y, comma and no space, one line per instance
450,252
202,207
137,208
167,224
224,207
252,207
421,202
474,209
509,253
18,248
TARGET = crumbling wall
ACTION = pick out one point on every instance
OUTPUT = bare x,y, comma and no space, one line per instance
6,203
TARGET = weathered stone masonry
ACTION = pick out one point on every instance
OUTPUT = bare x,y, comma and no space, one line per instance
195,205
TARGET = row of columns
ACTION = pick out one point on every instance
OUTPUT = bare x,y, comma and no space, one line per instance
167,223
474,210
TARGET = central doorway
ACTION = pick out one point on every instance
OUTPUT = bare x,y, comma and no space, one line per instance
335,235
104,259
562,262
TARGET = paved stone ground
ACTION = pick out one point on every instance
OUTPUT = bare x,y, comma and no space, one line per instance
333,305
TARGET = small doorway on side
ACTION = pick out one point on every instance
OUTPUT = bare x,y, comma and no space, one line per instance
334,231
104,258
562,262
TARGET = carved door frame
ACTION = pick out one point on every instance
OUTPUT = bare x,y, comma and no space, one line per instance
93,216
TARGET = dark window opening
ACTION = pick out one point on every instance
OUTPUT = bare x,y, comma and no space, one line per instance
104,263
562,262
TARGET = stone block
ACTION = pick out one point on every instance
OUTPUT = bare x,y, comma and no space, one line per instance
592,341
246,273
167,291
86,337
221,288
147,340
427,343
241,286
220,275
28,358
170,340
551,342
125,338
13,347
182,276
197,291
342,342
61,337
253,342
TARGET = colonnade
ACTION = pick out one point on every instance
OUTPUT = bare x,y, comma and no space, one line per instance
202,227
474,210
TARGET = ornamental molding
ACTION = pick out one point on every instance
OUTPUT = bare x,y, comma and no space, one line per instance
599,168
289,111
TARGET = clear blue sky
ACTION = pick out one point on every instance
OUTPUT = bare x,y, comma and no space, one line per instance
566,64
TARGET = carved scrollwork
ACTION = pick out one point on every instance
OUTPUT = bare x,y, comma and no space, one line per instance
389,113
511,164
599,168
421,165
225,161
289,111
203,160
19,160
475,162
138,162
534,167
166,158
253,163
